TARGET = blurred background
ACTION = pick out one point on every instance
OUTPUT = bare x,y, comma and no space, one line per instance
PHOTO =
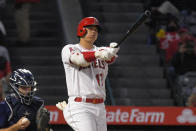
156,64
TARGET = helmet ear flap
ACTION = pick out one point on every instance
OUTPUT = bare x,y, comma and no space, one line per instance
82,32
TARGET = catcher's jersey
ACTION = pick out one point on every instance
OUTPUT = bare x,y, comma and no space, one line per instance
84,81
11,110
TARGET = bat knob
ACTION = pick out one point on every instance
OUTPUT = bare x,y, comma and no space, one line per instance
147,13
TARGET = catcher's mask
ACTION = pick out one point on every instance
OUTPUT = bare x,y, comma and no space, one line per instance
88,21
22,78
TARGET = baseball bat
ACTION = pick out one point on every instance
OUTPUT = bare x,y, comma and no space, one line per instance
135,26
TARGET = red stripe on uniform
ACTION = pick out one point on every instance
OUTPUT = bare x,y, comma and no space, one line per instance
89,56
112,60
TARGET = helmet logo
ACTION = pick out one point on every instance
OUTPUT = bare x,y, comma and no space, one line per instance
26,113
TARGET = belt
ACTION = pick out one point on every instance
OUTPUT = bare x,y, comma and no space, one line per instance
90,100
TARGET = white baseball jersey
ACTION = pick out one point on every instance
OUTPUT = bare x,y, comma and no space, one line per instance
84,81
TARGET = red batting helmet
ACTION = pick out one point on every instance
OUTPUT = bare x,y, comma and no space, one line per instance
81,31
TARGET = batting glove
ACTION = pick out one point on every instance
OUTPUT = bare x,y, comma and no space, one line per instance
61,105
104,54
114,46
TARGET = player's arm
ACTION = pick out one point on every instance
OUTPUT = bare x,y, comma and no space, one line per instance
20,125
11,128
75,57
84,59
72,56
107,54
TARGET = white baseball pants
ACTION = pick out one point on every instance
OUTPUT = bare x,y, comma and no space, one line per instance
82,116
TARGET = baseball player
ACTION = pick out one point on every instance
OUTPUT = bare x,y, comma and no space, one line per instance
19,110
86,68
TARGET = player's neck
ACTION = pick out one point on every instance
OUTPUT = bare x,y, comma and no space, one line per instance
86,44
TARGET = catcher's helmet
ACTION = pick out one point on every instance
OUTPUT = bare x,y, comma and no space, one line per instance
81,31
23,78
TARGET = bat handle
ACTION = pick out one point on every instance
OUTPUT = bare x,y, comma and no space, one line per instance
117,46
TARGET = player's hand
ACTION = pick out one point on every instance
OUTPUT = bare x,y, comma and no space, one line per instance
61,105
23,123
114,46
113,49
104,53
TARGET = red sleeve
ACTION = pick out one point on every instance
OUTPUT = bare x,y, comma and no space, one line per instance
112,60
89,56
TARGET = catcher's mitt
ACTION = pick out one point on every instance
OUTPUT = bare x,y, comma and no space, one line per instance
42,119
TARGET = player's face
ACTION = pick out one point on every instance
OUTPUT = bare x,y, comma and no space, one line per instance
24,89
92,34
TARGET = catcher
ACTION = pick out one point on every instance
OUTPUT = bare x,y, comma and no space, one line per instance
22,110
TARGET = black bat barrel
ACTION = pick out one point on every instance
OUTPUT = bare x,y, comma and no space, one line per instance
136,25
